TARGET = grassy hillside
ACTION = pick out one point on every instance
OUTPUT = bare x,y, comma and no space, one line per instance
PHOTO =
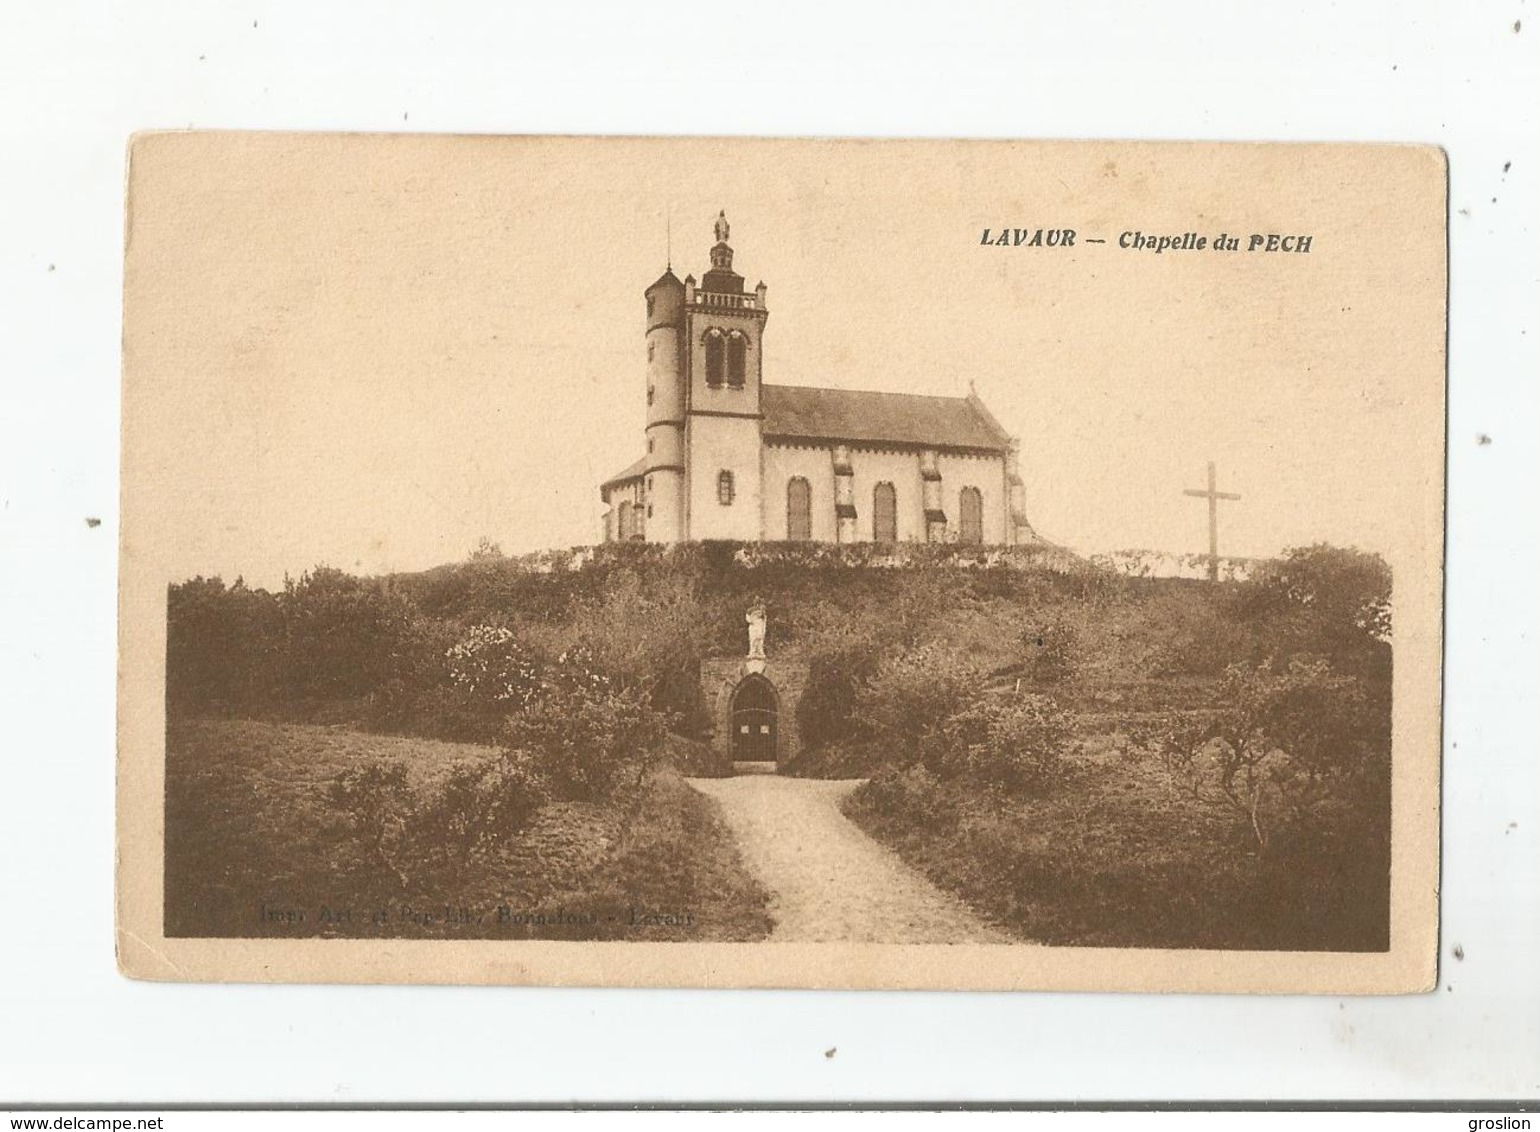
256,845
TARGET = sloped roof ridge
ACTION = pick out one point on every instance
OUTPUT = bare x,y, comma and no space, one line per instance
878,416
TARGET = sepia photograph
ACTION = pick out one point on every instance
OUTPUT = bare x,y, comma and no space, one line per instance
605,561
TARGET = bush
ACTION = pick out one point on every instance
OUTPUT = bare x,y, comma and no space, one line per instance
490,665
376,800
910,794
827,711
479,805
584,739
1298,755
1347,589
694,759
636,633
224,647
1203,641
1325,601
910,692
344,636
1013,745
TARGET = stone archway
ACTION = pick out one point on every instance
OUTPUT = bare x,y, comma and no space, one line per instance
776,684
755,720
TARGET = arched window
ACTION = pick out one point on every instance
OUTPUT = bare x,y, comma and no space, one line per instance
737,348
884,513
970,515
799,510
623,521
714,348
725,488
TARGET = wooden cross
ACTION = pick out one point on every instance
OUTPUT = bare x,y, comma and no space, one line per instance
1213,495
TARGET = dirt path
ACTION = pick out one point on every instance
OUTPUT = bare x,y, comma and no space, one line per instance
827,879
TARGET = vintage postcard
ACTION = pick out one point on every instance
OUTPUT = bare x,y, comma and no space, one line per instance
752,563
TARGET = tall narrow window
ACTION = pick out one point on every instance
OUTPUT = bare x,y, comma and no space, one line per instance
799,510
884,513
970,515
737,348
725,488
714,359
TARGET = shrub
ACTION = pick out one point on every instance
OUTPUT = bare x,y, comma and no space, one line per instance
479,805
1347,589
908,794
224,647
635,633
376,800
1013,745
490,665
695,759
583,739
828,711
1203,641
344,636
1295,754
911,691
1324,601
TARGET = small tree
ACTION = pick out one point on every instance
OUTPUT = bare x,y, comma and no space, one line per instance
1326,600
487,551
1289,752
1346,587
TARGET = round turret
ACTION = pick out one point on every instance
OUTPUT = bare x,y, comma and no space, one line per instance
662,484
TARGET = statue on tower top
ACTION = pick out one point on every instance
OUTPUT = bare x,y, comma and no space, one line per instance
722,228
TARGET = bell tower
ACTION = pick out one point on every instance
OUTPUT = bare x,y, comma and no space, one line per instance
720,342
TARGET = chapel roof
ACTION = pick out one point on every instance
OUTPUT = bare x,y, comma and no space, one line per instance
635,471
856,416
799,412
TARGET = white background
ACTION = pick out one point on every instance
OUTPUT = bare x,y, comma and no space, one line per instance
76,79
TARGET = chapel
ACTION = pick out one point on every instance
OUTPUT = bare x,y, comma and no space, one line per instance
730,455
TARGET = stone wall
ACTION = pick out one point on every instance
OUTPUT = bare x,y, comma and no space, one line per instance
720,677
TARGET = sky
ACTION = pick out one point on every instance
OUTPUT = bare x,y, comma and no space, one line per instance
371,352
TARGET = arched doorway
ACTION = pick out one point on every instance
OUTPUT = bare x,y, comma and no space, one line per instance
753,721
